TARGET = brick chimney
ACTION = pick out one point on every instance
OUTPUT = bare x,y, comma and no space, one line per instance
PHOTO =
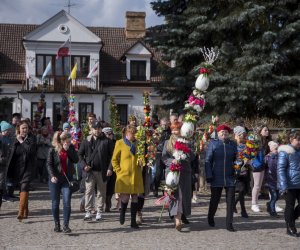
135,25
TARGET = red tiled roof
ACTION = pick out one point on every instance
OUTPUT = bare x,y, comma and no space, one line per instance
115,45
12,53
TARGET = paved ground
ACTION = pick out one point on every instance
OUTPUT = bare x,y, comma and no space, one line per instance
258,232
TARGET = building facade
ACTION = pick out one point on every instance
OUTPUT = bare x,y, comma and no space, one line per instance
126,67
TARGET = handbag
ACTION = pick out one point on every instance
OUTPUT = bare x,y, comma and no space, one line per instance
73,185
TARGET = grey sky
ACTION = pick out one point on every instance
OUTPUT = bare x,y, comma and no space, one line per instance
109,13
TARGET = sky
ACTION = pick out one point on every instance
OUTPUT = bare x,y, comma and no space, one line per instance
103,13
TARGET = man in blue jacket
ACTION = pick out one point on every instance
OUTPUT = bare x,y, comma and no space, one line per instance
219,162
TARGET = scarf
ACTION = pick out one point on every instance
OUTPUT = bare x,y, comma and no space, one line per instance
131,145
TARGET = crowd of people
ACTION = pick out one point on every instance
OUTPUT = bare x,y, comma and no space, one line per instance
108,167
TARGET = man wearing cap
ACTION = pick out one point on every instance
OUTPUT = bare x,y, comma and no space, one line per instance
4,152
66,127
95,155
219,162
8,133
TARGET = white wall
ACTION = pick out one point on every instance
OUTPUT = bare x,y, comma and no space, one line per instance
50,98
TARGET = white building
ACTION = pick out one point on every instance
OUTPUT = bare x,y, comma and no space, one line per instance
127,66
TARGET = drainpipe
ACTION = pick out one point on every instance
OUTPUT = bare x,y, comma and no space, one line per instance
105,98
21,102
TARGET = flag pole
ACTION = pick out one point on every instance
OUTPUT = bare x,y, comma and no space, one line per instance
70,54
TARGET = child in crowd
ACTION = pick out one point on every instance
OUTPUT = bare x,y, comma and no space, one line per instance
271,178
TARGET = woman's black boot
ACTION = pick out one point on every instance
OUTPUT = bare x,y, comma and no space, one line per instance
122,212
66,229
133,210
57,227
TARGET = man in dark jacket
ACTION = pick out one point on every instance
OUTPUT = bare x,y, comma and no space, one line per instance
219,161
95,155
160,166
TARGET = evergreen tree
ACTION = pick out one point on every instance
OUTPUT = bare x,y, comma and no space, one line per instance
257,72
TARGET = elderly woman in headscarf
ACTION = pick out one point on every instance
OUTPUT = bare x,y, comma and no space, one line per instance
243,179
219,161
180,207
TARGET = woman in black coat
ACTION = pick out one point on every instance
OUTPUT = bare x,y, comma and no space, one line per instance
21,163
60,166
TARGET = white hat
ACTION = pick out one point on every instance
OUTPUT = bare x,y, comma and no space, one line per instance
107,130
238,130
273,145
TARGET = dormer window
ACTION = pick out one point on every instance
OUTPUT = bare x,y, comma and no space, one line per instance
138,62
138,70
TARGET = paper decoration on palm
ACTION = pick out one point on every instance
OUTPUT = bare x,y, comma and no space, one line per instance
75,129
115,118
196,101
39,113
206,68
202,137
146,148
193,107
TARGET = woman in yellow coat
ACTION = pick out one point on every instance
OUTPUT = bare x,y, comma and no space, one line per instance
129,175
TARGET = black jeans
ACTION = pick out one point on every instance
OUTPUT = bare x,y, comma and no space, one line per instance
242,188
290,199
216,193
160,166
42,169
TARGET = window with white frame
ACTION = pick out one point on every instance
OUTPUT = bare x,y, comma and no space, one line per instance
138,70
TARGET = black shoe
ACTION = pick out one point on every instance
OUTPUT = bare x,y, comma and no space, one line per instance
134,225
274,214
184,219
244,214
230,228
66,229
122,212
57,227
291,230
235,210
211,221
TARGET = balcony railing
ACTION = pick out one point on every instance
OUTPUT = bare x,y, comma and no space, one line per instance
61,84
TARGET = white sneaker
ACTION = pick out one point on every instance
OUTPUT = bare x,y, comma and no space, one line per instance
98,216
278,209
255,208
194,200
88,216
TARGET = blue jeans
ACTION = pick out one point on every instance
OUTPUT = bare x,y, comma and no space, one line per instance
61,187
274,197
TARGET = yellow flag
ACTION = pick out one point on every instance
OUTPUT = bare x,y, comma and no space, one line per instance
73,72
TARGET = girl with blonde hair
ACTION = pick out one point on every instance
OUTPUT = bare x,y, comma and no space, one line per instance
60,166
